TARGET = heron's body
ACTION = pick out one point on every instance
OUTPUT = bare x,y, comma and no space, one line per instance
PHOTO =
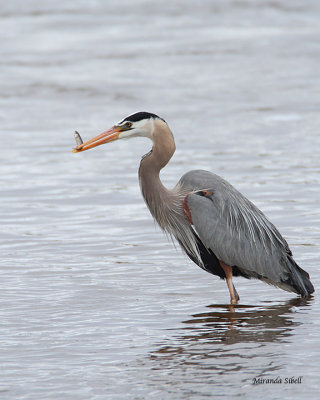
217,227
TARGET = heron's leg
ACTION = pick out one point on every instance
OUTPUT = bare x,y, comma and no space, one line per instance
233,293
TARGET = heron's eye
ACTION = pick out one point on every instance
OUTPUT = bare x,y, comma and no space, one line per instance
128,125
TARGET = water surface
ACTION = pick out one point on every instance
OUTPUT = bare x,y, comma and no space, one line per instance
95,303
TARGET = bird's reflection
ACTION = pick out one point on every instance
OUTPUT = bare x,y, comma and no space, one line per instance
225,325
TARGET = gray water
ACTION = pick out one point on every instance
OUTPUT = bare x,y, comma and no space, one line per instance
95,302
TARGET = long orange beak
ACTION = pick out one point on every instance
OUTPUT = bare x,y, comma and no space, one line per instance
105,137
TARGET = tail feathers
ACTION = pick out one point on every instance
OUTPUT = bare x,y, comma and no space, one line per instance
298,279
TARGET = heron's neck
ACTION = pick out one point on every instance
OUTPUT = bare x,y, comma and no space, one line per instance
166,205
156,195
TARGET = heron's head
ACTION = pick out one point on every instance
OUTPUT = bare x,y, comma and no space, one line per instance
138,124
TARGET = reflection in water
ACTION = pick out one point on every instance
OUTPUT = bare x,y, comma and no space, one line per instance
236,324
231,338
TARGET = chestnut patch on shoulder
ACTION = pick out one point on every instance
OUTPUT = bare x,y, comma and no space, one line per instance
186,209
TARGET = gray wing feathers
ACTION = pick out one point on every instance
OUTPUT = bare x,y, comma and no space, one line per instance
238,232
236,239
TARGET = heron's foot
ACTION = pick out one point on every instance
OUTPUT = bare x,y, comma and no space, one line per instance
234,296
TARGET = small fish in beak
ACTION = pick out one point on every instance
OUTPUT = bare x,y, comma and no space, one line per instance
78,138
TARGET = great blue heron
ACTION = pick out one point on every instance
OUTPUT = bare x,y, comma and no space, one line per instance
217,227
